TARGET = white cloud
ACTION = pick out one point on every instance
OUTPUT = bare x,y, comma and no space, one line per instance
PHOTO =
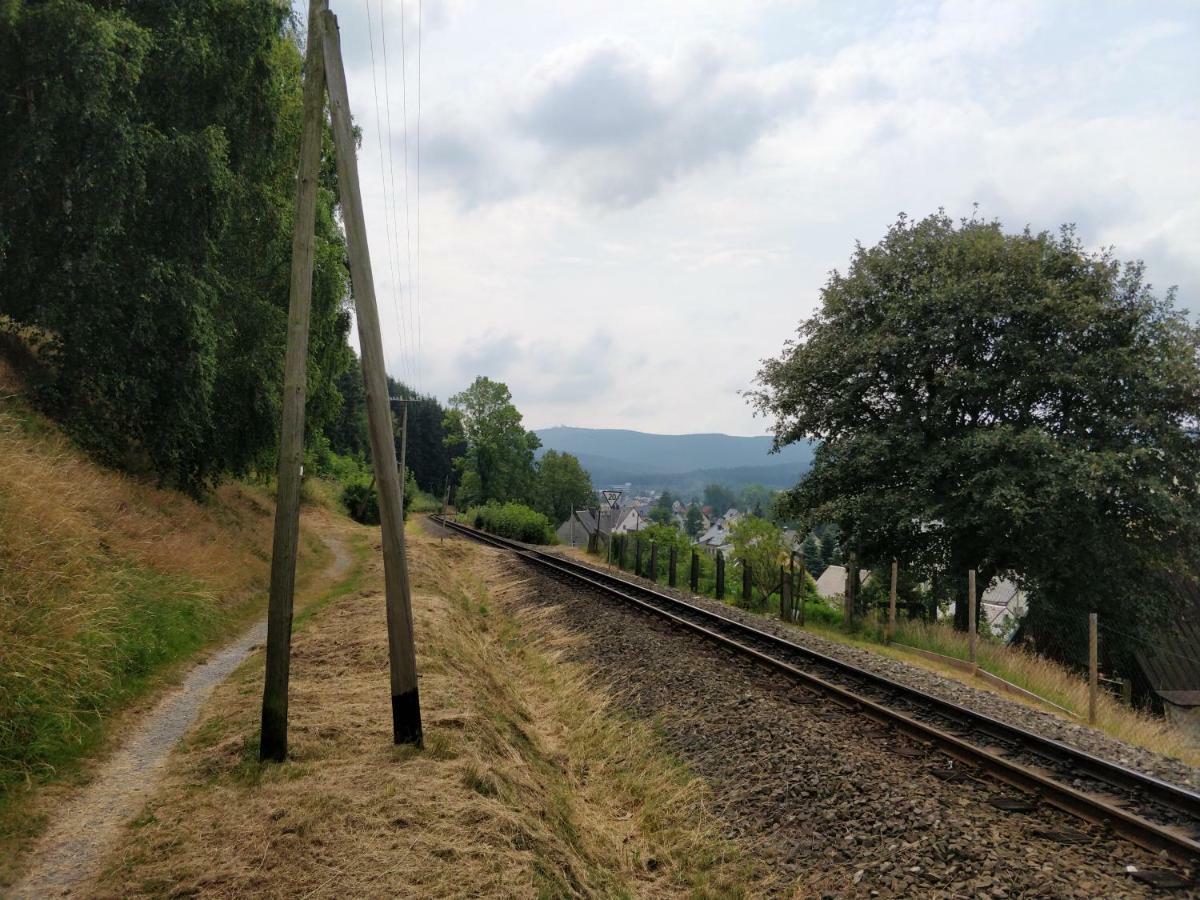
677,178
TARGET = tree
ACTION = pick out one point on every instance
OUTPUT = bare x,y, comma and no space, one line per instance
1012,403
693,520
760,545
813,561
758,500
145,222
430,455
498,461
661,512
720,498
561,485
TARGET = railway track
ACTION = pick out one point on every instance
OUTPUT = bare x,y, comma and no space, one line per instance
1157,815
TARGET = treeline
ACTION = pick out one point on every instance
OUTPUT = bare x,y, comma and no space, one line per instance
148,154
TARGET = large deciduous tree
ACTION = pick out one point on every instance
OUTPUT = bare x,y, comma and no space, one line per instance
498,462
1008,402
561,485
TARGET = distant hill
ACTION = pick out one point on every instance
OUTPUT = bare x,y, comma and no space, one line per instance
678,461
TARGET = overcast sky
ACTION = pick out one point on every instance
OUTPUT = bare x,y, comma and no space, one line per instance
625,206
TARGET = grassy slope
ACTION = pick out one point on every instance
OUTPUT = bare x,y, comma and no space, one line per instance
531,782
106,585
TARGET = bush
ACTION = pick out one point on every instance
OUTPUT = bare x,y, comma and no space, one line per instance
512,520
361,502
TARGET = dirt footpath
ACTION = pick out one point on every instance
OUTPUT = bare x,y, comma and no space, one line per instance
69,854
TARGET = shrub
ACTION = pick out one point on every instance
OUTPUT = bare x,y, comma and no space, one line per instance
512,520
361,502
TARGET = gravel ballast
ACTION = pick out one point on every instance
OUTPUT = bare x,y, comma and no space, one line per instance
839,805
1006,710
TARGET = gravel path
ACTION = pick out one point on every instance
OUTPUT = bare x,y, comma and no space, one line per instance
68,855
1002,708
843,806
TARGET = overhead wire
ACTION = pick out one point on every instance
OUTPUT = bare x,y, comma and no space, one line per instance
387,219
401,312
407,205
417,283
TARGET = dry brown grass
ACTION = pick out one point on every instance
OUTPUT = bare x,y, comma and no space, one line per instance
530,784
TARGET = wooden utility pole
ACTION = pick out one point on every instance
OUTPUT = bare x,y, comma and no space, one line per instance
971,616
273,740
1093,666
406,705
891,629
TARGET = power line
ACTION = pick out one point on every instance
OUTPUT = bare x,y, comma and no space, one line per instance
387,222
417,285
387,92
407,206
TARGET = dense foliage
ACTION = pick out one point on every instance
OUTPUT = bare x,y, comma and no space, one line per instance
1012,403
561,485
760,545
148,154
512,520
361,498
498,461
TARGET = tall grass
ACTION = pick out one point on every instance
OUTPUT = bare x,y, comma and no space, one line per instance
1044,677
104,581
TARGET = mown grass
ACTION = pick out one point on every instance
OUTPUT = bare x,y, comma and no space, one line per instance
531,781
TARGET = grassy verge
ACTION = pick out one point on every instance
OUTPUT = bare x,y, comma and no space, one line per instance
108,586
530,783
1041,676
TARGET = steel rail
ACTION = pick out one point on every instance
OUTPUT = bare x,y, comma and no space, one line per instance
1152,836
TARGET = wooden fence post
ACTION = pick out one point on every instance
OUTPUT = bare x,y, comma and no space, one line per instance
720,575
747,588
785,594
637,556
798,591
695,572
1093,666
891,626
851,584
653,573
971,628
672,567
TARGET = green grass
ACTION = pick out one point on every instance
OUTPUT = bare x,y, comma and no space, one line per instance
55,701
